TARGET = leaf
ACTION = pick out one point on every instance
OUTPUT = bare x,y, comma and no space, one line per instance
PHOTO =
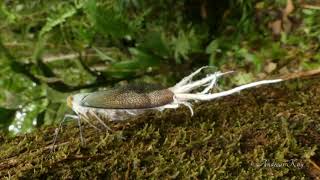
6,117
53,22
107,21
10,17
182,46
103,55
186,43
154,41
242,78
91,10
250,57
212,49
141,60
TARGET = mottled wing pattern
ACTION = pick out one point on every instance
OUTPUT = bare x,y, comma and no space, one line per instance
131,97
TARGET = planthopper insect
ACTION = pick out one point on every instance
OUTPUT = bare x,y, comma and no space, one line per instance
122,103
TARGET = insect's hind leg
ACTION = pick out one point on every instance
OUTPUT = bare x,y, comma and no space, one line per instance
100,121
86,119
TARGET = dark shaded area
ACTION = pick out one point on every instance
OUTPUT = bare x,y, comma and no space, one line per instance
7,116
209,13
233,137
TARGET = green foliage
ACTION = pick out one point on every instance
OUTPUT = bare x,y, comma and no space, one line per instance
57,20
107,21
4,13
185,44
311,17
125,68
156,43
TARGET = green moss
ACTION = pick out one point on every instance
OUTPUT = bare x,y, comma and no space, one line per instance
226,138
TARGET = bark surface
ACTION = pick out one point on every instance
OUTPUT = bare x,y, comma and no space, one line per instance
272,130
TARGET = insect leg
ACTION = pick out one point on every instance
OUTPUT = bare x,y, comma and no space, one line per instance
60,126
86,119
100,120
80,129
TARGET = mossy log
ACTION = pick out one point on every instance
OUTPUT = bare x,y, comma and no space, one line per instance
271,131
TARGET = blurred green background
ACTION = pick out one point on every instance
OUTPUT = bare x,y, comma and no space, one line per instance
51,49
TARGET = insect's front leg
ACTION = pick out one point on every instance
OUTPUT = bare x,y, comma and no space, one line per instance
74,117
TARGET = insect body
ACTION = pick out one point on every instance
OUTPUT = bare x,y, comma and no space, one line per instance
119,104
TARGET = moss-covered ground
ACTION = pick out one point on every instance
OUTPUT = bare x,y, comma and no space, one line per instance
268,132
